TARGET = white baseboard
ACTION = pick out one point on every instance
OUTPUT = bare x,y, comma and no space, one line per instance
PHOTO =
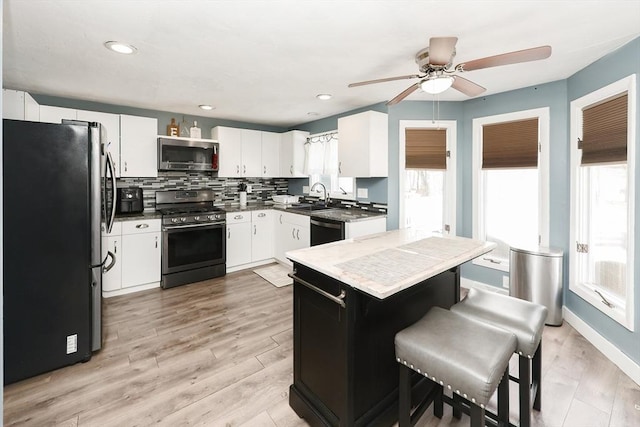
468,283
124,291
249,265
612,353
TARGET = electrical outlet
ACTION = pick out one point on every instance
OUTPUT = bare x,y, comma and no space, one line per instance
505,282
305,189
363,193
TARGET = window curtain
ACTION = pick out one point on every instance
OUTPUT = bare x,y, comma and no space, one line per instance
510,144
604,131
321,155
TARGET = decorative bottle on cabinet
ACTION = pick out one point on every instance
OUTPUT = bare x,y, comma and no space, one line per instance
173,129
195,131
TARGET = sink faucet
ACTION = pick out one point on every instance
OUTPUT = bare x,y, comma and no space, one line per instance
324,191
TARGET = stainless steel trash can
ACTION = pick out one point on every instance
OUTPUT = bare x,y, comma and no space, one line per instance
536,275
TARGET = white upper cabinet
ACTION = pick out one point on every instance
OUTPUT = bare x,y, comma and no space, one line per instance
270,154
49,114
292,153
363,145
138,146
19,105
251,153
247,152
111,123
230,140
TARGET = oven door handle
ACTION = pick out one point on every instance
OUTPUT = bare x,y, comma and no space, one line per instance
177,227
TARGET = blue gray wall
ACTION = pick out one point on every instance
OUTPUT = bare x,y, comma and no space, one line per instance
613,67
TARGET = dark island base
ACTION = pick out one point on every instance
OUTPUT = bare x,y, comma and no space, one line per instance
345,372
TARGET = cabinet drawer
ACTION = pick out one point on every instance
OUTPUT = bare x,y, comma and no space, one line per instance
116,230
265,215
237,217
141,226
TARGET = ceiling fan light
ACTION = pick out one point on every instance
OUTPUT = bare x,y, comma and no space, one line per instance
436,85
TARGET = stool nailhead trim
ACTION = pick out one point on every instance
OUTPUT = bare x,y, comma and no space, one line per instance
405,363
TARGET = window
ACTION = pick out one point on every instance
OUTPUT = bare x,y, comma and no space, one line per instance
602,203
510,183
321,164
427,175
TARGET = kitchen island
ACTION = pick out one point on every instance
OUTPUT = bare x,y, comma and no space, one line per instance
350,299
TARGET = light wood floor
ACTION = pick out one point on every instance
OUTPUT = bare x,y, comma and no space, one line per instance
219,353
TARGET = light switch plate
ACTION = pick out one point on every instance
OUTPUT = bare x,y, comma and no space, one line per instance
505,282
305,189
363,193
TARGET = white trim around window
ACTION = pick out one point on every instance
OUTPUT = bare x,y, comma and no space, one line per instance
450,178
543,178
620,310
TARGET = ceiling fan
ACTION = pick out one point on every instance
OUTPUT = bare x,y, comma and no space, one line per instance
438,74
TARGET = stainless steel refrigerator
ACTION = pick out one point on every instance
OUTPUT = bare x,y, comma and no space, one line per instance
59,189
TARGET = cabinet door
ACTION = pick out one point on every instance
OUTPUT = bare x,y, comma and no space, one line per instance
49,114
138,146
302,237
292,153
270,154
111,122
140,259
230,140
363,147
238,244
112,279
12,104
364,228
251,153
262,231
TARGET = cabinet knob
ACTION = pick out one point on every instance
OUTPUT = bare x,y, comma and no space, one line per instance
125,166
238,217
291,169
262,215
254,230
298,234
238,169
339,167
244,169
142,226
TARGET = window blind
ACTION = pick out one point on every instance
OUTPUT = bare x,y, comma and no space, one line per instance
425,149
604,131
510,144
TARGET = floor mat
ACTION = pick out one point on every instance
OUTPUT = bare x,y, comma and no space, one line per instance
275,274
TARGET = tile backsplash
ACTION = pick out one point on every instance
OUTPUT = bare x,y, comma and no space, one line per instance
226,189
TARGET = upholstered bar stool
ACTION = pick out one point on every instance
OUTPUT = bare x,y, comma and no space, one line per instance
470,358
526,321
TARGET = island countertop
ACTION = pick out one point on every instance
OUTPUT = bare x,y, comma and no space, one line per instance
386,263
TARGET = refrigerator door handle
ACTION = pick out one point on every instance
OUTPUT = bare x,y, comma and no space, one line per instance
112,168
106,268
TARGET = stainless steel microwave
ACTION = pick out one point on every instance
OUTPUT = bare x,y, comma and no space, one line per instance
186,154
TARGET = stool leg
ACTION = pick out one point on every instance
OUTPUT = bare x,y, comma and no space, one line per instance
457,411
525,391
477,415
536,374
438,407
503,400
404,397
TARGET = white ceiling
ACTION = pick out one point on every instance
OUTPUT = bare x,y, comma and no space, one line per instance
265,61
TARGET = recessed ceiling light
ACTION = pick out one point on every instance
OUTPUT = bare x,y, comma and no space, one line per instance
120,47
324,96
206,107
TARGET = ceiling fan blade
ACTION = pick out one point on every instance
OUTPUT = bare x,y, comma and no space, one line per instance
441,50
402,95
467,87
526,55
388,79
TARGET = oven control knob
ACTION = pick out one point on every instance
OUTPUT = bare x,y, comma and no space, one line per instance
196,218
183,219
174,220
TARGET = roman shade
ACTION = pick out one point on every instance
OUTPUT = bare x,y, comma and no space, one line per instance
604,131
425,149
510,144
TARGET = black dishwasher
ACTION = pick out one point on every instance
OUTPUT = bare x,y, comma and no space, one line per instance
326,230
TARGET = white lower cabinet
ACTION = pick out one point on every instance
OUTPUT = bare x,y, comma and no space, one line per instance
249,237
238,238
137,248
292,231
261,235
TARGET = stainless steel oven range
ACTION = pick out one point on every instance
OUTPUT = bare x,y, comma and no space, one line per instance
193,237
